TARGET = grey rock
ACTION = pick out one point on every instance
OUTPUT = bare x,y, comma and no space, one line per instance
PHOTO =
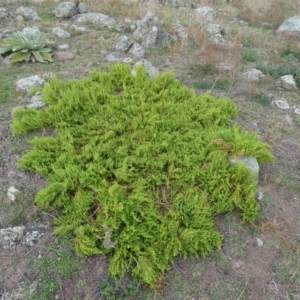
296,109
32,235
218,39
25,84
150,32
63,47
121,28
123,43
151,70
291,25
28,12
82,8
259,195
133,27
253,75
137,50
78,28
31,30
206,13
225,67
96,18
281,103
65,10
114,56
250,163
60,33
35,101
127,60
3,13
180,31
260,242
11,236
12,193
213,28
288,82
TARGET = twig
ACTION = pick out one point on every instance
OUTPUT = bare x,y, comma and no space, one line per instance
214,84
243,290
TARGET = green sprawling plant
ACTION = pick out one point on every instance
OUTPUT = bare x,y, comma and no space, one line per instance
27,46
138,168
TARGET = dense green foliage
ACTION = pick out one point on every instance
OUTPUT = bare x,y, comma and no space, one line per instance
27,47
138,168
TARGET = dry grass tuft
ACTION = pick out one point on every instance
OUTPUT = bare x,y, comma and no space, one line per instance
271,12
281,230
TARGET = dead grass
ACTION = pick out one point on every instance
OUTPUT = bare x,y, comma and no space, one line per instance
269,13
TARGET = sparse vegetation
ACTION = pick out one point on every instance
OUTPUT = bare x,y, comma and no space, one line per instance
143,186
242,268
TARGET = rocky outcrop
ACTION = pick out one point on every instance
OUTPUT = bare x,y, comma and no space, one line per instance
151,33
65,10
290,26
98,19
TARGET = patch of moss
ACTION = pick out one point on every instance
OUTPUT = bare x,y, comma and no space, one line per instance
139,168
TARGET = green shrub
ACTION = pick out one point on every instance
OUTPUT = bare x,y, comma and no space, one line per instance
138,168
250,55
26,46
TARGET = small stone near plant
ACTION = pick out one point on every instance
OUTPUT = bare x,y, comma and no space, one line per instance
281,103
260,242
63,47
12,193
60,33
25,84
250,163
151,70
31,30
35,101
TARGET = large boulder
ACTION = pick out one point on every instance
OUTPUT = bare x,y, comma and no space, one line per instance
96,18
65,10
290,26
151,33
28,12
288,82
206,13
